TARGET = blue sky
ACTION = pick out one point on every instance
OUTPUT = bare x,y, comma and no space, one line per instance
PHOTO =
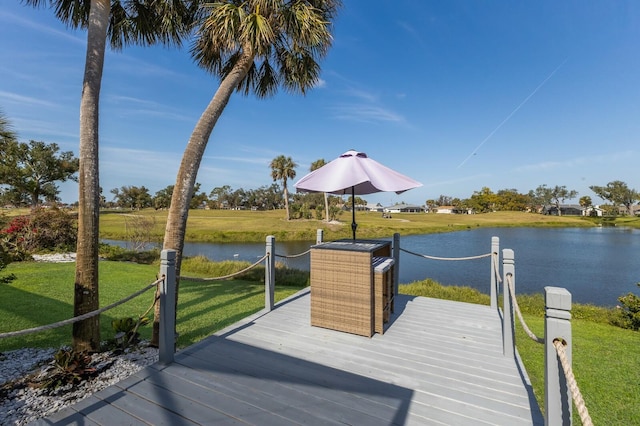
458,95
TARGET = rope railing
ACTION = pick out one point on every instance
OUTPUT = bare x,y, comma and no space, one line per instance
226,277
526,328
481,256
496,267
293,256
573,385
80,317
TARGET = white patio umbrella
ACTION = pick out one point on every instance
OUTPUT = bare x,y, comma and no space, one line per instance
356,174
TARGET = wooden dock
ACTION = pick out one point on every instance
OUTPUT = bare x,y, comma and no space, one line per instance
438,362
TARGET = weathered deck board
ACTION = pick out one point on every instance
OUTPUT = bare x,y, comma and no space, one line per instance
439,362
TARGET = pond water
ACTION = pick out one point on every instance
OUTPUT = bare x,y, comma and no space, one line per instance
597,265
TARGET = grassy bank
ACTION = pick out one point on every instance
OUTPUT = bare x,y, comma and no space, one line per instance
254,226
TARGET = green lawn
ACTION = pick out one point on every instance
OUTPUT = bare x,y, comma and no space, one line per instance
43,294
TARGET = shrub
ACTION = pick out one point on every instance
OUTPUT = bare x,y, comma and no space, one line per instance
628,315
56,230
120,254
16,238
4,261
70,368
43,230
127,330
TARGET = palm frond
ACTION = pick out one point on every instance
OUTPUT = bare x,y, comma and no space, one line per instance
286,37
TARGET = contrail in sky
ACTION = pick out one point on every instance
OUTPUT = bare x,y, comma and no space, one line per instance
513,112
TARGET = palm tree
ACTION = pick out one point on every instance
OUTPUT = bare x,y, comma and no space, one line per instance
6,133
122,22
253,46
585,202
315,166
282,168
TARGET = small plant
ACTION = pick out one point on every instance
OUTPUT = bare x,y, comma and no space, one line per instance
127,330
4,260
629,312
70,368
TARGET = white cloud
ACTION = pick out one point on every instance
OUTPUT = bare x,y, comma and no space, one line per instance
366,114
46,29
8,97
320,84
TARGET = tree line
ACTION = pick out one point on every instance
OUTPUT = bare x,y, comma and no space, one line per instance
29,173
616,192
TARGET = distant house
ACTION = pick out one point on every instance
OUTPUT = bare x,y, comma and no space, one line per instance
452,210
404,208
566,210
375,207
593,211
445,210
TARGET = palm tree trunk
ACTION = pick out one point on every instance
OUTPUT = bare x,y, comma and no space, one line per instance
86,334
285,193
183,190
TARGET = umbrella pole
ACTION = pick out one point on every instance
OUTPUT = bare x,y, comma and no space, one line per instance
354,225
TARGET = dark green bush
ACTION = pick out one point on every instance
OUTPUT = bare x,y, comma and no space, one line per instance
4,261
628,315
120,254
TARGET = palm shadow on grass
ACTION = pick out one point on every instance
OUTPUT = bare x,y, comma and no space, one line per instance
25,310
198,300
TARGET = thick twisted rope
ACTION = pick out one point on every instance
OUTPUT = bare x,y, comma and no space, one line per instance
79,317
447,258
517,309
292,256
226,277
573,385
496,267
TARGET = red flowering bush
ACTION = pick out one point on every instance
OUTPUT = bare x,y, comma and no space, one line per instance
43,230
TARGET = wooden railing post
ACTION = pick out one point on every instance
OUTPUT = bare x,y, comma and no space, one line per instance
557,326
270,273
495,258
319,236
396,259
167,338
508,320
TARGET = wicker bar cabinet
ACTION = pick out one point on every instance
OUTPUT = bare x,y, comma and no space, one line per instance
352,286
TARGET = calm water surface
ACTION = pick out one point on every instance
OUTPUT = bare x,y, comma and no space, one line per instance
597,265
